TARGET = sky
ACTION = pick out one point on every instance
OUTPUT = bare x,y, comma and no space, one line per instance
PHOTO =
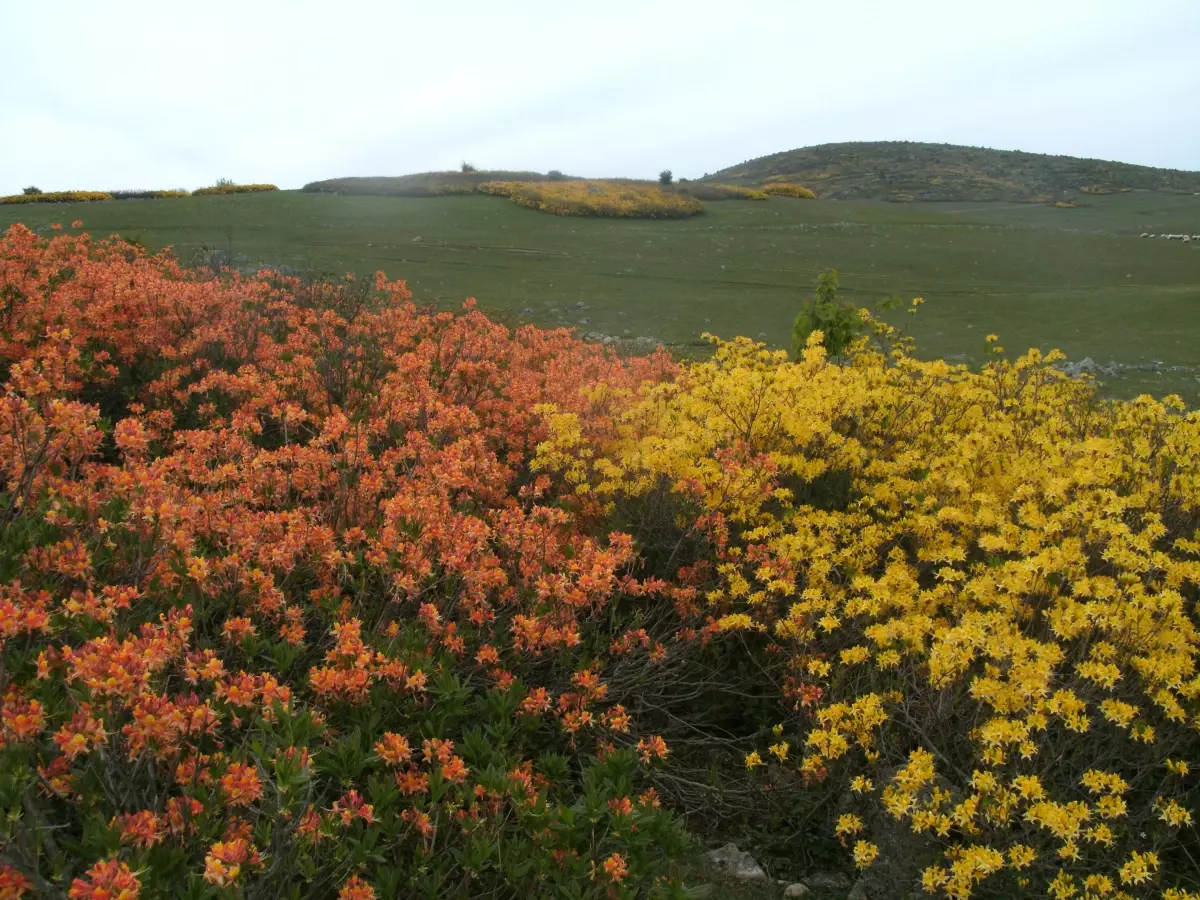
151,95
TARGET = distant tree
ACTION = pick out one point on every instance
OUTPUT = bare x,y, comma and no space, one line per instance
555,175
839,323
467,167
225,182
665,177
31,190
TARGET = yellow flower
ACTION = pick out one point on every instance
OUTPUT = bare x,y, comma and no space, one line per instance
1177,767
780,750
1139,868
848,824
864,854
861,785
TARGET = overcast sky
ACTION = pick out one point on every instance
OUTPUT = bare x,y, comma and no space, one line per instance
117,94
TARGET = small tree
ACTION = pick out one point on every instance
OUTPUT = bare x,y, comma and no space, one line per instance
31,191
225,182
467,167
665,177
839,323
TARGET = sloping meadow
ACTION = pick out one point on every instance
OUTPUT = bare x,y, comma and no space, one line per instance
306,591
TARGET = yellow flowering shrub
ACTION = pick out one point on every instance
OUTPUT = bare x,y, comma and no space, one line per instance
784,189
704,191
57,197
976,593
233,189
618,199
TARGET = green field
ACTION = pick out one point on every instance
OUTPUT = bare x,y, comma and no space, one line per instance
1078,279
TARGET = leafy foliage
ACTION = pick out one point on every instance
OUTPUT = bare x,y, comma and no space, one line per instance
824,318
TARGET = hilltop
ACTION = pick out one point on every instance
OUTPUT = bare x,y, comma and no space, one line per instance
422,184
903,171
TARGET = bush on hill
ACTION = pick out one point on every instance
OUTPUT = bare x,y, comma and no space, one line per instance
308,591
783,189
619,199
706,192
147,195
218,189
57,197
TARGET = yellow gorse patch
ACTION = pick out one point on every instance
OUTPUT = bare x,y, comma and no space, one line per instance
617,199
994,568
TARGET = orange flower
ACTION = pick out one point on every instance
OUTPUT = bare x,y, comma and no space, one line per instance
106,880
13,885
356,889
615,868
393,749
142,829
240,785
225,860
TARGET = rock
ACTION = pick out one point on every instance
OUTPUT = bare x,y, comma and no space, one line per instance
859,891
796,890
737,863
417,239
827,881
1085,366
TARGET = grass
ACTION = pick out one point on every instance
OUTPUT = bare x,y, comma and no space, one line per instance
1079,279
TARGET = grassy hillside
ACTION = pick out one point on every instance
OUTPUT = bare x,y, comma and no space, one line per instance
421,184
1079,279
905,171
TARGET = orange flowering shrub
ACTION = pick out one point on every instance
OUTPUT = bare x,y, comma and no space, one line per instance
282,605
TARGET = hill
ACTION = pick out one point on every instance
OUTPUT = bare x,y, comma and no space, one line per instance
905,171
422,184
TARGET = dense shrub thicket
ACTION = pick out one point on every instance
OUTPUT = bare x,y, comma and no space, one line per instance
784,189
57,197
147,195
233,189
703,191
308,592
619,199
